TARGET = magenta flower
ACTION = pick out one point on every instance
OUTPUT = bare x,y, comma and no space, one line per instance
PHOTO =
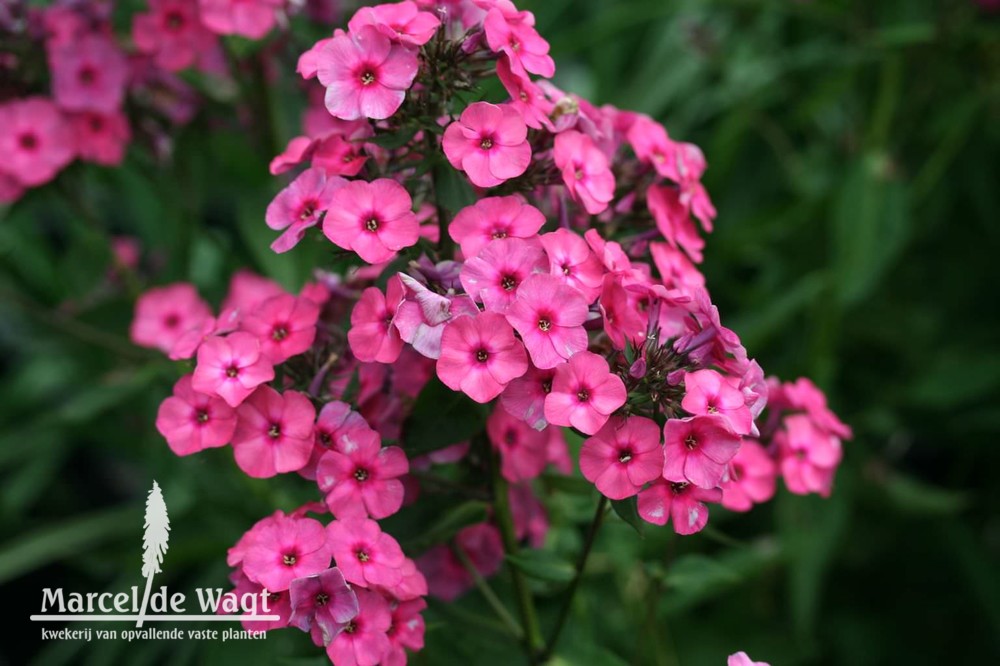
339,156
285,326
480,356
549,316
401,22
372,337
707,392
523,450
192,421
682,503
231,367
361,478
624,322
274,433
623,457
364,553
365,74
363,641
101,138
246,18
406,631
571,260
697,449
299,206
172,32
164,314
584,393
494,275
489,143
89,75
35,140
336,420
373,219
492,218
585,170
283,548
742,659
322,604
750,479
512,32
525,396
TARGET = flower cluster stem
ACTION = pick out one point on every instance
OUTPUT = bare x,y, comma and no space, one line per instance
484,588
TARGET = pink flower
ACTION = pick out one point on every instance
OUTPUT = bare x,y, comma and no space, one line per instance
231,367
741,659
571,260
406,631
89,75
322,604
531,522
623,457
360,478
274,433
164,314
35,140
750,478
584,393
372,337
707,392
339,156
489,143
336,420
523,450
373,219
299,206
808,456
585,170
365,74
623,321
480,356
172,32
492,218
101,138
493,276
696,450
277,603
364,553
192,421
512,33
298,150
10,188
363,640
402,22
281,548
447,578
246,18
285,326
549,316
525,396
527,97
652,146
423,315
674,221
676,269
681,502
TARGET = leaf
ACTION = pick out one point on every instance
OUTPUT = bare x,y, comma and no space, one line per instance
392,140
915,496
440,418
628,510
543,565
467,513
451,189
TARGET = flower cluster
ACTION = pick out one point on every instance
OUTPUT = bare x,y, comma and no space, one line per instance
532,253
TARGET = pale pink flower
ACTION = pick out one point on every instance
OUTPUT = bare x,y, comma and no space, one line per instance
172,32
192,421
322,604
525,396
681,503
164,314
361,478
750,479
281,548
585,170
274,432
373,219
489,143
549,316
101,138
480,356
623,457
492,218
523,450
697,449
299,206
494,275
372,337
423,314
401,22
708,392
365,74
89,75
584,393
364,553
571,260
35,140
742,659
231,367
247,18
363,640
512,32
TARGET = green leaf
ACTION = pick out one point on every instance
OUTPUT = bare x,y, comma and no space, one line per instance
543,565
915,496
392,140
451,188
440,418
467,513
628,510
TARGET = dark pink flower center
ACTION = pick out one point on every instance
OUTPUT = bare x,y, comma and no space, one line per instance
367,77
361,474
322,598
279,333
712,409
350,627
289,559
371,224
678,488
486,142
544,324
308,209
566,269
87,75
508,282
624,456
96,124
274,432
174,21
510,438
28,141
482,355
547,386
583,395
202,416
499,233
362,555
691,442
232,371
171,320
325,439
736,472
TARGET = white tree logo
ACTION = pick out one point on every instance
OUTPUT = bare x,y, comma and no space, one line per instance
154,542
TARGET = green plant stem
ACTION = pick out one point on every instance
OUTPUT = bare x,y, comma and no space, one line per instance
533,641
581,564
492,599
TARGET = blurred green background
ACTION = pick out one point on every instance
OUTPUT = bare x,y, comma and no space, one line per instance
854,156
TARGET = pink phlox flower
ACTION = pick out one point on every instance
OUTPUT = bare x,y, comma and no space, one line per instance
572,261
89,75
681,503
364,640
447,578
364,553
676,268
623,457
742,659
750,479
274,433
101,138
373,219
402,22
523,450
35,139
405,632
673,220
285,326
525,396
285,548
480,356
322,604
360,478
707,392
372,336
489,143
493,276
549,315
512,32
247,290
247,18
531,521
493,218
278,603
525,96
585,170
336,419
172,32
338,155
584,393
299,206
298,150
697,449
803,394
423,314
192,421
231,367
164,314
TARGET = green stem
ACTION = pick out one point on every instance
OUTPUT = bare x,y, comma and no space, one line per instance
533,641
581,564
484,588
